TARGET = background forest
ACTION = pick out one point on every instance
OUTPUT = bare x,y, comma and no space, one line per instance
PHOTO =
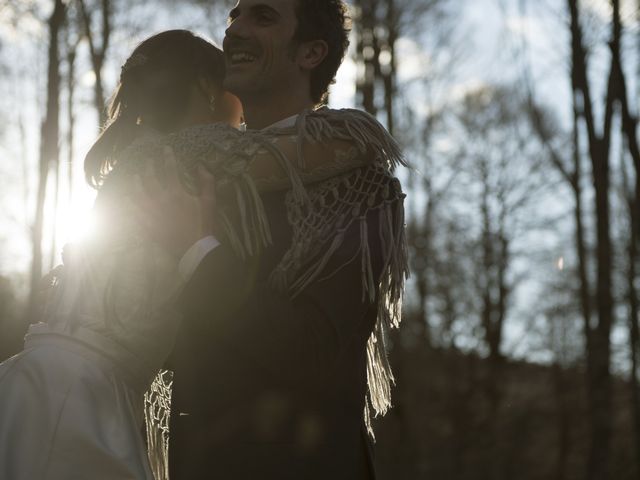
518,356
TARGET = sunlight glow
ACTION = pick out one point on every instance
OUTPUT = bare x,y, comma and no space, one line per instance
78,225
76,221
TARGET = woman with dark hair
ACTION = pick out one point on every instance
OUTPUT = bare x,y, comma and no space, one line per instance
171,81
72,402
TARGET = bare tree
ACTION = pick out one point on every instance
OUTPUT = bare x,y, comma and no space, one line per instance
633,307
571,171
379,24
503,184
599,146
97,16
72,42
49,149
10,341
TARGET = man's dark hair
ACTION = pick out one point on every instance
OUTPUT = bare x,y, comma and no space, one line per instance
326,20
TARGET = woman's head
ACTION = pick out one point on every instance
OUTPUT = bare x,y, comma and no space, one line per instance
170,81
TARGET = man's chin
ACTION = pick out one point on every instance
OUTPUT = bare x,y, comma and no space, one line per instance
239,84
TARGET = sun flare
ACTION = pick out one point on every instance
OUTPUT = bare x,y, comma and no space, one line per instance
76,227
77,222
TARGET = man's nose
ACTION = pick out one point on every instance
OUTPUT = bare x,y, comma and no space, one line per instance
237,28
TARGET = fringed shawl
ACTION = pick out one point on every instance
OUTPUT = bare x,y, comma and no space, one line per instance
324,200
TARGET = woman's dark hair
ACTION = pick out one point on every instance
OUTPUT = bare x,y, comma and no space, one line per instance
326,20
154,89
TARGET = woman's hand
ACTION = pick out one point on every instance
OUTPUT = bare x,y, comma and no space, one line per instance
173,217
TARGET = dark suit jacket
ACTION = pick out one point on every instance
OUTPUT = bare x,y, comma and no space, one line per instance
266,387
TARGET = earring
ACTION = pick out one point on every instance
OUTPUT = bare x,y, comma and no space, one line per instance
212,103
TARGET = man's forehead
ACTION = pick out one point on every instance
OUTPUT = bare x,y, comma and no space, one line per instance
283,7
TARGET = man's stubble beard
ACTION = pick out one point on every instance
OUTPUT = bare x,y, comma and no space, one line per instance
266,82
253,90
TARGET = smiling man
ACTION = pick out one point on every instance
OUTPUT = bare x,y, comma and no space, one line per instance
272,383
282,55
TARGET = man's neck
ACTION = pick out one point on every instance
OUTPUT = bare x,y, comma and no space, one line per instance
263,112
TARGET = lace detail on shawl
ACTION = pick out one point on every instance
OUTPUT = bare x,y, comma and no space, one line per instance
319,231
230,155
227,153
318,212
157,411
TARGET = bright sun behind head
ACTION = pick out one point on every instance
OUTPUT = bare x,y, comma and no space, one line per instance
77,227
77,222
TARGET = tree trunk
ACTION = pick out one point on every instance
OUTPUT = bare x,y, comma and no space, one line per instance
563,421
389,75
574,179
24,162
367,58
633,307
54,216
600,379
598,337
49,151
377,16
629,131
98,52
634,333
71,119
424,250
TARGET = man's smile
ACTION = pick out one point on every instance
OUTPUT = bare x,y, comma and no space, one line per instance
239,53
242,57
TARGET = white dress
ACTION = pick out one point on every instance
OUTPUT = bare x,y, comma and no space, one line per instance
71,403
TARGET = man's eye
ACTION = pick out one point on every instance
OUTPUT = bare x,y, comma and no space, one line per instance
264,18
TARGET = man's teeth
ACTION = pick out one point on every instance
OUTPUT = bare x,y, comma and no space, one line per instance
242,57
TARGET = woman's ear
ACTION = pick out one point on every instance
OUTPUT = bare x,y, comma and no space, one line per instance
229,109
207,87
311,54
221,105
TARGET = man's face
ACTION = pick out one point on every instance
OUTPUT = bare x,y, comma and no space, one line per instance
258,47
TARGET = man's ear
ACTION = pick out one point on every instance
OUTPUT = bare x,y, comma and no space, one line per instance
311,54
